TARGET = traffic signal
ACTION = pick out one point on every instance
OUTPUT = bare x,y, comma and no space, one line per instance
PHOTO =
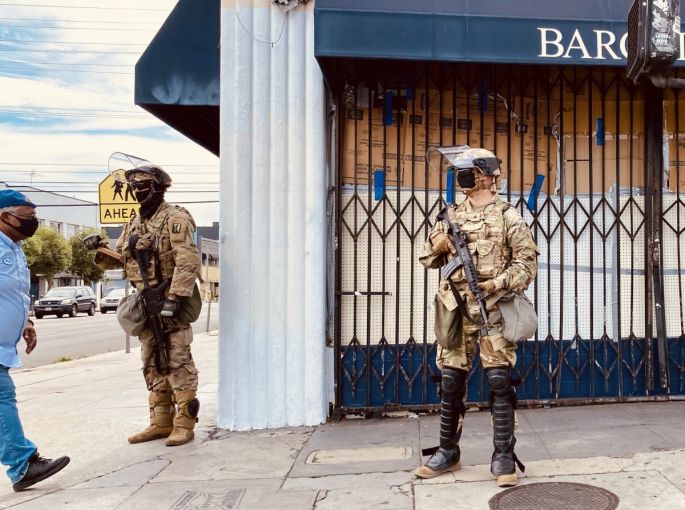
653,38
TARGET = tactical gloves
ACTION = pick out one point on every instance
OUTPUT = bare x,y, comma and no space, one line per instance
442,244
490,286
93,242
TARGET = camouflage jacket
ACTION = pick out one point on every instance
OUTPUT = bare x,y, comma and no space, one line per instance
170,230
500,243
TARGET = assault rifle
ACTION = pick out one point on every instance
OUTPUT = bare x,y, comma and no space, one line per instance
153,300
463,259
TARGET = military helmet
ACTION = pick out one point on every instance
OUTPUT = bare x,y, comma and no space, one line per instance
148,173
482,159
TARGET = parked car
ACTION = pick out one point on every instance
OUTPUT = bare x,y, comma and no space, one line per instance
65,300
111,300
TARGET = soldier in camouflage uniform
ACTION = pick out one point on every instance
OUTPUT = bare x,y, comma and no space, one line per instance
505,257
172,398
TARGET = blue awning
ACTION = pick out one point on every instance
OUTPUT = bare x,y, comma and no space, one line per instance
587,32
177,77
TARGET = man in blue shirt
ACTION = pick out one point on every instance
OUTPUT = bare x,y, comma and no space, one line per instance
17,222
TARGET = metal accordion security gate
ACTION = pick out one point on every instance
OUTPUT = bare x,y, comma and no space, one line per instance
573,145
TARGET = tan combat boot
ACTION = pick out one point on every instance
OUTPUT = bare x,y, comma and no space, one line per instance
161,419
185,419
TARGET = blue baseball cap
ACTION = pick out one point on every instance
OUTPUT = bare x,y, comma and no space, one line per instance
12,198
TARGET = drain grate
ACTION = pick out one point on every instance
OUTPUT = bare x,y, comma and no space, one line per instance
209,500
553,496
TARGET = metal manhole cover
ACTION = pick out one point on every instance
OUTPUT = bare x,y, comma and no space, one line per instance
553,496
209,500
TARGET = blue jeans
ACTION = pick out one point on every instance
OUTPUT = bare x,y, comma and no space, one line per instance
15,449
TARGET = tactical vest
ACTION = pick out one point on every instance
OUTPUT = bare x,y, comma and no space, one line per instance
153,233
486,233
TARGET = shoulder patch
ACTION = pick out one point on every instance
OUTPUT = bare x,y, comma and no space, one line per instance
176,228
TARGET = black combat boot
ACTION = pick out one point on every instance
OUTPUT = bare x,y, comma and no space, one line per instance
446,457
503,402
39,469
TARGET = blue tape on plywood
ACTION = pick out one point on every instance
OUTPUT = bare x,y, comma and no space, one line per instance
534,192
599,125
483,96
449,192
379,185
387,108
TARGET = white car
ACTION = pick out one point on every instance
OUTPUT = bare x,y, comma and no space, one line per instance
111,300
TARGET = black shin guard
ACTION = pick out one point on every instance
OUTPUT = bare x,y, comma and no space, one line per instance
452,409
503,400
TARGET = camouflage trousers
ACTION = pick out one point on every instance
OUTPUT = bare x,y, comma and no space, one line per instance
183,374
495,350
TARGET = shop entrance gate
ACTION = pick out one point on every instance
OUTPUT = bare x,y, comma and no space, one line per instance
573,145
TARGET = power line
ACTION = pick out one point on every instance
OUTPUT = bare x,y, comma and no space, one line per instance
75,114
11,182
95,192
99,110
85,7
72,51
24,62
58,20
35,27
200,165
95,205
70,42
63,70
188,172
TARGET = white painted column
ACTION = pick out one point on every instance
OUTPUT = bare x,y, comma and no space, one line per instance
273,219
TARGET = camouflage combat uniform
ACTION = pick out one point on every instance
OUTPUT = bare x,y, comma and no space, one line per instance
171,229
503,249
505,256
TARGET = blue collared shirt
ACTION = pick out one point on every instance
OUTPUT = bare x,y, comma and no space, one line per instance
15,286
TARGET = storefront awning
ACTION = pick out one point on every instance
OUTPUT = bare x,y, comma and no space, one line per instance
177,77
586,32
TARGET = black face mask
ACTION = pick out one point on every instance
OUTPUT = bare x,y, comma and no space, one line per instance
143,195
466,178
27,227
143,191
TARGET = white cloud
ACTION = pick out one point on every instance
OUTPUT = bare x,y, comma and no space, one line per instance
52,122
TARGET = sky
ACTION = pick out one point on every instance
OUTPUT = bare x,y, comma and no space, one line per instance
66,100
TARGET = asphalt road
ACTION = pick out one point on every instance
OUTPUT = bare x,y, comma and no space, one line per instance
82,336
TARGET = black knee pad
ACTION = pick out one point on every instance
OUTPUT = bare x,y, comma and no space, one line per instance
453,384
499,380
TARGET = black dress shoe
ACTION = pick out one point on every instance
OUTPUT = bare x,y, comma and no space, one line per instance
39,469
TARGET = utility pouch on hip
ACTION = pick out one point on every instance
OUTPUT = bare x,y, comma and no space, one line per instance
191,307
519,319
131,314
448,325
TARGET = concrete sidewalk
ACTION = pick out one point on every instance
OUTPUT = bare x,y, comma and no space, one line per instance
86,409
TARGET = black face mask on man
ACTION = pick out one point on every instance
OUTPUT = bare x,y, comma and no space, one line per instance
27,226
143,190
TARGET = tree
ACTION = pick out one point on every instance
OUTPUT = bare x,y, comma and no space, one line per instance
83,260
47,253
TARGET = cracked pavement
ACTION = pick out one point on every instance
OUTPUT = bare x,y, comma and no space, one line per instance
87,408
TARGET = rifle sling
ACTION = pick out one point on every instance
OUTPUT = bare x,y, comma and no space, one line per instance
462,306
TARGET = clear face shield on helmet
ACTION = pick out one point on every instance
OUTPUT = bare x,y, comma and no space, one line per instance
144,184
442,159
471,167
120,163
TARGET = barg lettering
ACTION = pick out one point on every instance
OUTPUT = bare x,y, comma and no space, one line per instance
602,45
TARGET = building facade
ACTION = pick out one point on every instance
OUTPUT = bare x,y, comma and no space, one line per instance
328,112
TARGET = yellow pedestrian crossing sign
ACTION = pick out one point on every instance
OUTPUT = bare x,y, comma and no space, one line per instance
117,201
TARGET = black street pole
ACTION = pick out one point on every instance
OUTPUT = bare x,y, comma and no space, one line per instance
654,284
